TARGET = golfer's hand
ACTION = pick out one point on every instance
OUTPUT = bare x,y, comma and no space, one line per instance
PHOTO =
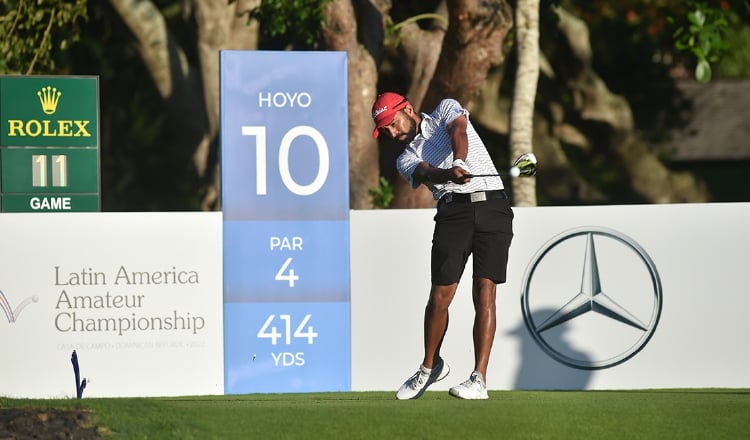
459,175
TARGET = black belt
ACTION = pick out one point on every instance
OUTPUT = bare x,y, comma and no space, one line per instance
478,196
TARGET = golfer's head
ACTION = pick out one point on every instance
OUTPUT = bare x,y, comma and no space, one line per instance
387,114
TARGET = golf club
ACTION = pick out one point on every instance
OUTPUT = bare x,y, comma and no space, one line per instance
523,166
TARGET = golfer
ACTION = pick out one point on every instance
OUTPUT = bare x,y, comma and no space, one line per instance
474,217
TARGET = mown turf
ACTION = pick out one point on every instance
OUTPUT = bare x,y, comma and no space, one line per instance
648,414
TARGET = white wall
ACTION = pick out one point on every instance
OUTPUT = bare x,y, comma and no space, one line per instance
699,251
61,274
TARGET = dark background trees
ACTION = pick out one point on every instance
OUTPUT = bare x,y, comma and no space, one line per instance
609,93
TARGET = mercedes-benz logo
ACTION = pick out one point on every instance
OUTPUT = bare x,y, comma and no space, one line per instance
591,298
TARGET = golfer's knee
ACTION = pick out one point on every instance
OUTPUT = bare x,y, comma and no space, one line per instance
442,295
435,305
484,296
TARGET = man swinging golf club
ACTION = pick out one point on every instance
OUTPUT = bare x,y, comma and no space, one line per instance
442,150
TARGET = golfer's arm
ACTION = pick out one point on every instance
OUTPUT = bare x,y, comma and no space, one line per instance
460,144
459,138
425,173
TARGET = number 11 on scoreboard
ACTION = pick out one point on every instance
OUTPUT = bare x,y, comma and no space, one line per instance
59,167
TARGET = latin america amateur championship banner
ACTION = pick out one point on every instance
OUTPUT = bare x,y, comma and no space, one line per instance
285,200
137,297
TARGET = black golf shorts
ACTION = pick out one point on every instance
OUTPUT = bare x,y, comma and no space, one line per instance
462,228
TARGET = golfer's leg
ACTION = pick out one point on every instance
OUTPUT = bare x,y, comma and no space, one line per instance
436,320
483,295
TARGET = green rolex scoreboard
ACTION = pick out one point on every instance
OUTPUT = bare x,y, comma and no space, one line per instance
49,145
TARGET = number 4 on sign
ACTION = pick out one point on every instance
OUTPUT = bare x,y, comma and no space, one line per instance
289,276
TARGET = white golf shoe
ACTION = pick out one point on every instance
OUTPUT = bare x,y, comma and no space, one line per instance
473,388
416,385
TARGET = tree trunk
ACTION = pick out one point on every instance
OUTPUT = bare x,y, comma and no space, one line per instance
341,34
191,95
524,94
559,182
606,121
220,26
419,53
471,46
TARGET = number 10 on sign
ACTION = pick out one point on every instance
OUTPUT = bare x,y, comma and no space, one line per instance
284,151
58,163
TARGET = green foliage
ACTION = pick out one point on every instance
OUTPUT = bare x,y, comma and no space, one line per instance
296,21
382,196
702,32
735,63
33,30
392,30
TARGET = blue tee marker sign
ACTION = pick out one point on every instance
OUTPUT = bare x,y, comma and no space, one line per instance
285,201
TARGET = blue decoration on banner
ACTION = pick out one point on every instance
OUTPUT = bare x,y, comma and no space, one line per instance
285,200
80,384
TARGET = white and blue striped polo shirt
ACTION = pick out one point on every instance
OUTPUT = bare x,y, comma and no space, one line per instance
433,145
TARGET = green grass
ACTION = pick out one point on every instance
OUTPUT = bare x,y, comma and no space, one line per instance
648,414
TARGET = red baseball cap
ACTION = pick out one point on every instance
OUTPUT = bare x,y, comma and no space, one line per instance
385,108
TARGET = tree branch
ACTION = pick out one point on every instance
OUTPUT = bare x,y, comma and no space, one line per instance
41,44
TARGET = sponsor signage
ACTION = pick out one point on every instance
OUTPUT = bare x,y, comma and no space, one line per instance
285,200
49,144
553,304
140,306
597,297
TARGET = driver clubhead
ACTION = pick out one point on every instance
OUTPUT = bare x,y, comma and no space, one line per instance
526,164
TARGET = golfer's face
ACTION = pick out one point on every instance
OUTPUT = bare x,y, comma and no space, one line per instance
402,129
